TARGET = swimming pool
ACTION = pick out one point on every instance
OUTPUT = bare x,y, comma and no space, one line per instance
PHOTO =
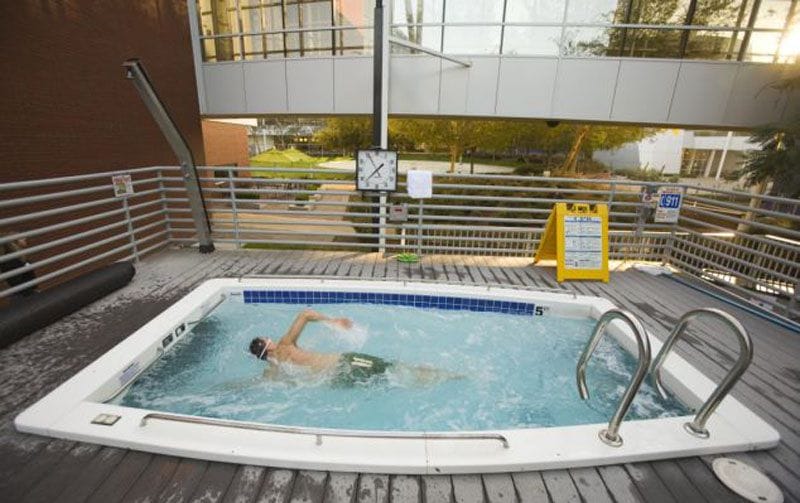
184,384
489,370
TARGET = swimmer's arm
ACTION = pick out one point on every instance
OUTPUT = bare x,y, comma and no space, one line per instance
342,322
272,371
300,323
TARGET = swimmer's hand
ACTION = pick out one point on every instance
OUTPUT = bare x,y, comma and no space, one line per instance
342,322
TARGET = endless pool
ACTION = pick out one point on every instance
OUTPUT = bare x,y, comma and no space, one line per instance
184,384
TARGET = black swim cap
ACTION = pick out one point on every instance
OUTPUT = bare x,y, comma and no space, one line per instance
257,346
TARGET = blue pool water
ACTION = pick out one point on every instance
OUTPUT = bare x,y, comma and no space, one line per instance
518,371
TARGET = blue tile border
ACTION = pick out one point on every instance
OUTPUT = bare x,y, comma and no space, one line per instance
392,299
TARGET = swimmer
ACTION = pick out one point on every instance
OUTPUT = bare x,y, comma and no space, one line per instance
348,368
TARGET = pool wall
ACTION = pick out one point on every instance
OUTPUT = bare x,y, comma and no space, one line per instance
69,411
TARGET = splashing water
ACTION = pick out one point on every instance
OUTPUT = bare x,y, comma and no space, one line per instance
354,337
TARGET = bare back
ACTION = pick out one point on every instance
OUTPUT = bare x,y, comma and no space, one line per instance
315,361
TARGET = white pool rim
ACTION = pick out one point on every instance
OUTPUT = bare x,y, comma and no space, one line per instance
68,411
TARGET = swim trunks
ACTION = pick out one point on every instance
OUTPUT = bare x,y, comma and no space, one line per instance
359,367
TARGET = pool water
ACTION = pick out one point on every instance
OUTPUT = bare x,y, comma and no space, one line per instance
511,371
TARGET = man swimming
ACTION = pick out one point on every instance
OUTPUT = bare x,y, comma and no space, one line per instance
349,368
